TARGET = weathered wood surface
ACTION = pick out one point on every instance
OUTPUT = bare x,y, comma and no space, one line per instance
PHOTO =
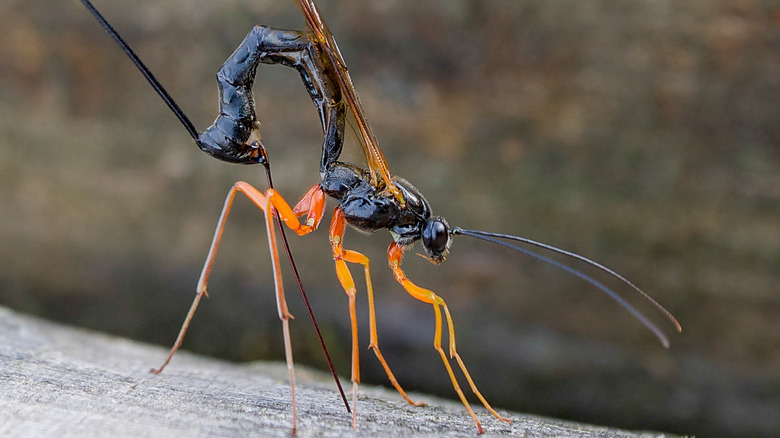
67,382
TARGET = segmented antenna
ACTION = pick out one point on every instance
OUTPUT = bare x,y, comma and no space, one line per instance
187,123
494,238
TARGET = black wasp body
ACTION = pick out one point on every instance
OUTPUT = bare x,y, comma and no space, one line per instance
369,208
234,137
369,199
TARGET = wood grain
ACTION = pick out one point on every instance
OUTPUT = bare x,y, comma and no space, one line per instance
61,381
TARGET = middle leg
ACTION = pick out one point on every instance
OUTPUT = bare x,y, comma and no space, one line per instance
341,257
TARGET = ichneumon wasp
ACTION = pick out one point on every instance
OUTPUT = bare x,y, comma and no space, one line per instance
369,199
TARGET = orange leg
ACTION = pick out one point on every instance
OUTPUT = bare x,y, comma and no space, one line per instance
269,202
394,255
343,256
312,204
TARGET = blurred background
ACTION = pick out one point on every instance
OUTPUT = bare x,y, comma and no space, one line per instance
644,135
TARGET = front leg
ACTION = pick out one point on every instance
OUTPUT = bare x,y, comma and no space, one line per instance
234,136
395,255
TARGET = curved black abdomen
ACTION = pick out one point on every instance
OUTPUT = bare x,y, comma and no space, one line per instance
229,138
234,135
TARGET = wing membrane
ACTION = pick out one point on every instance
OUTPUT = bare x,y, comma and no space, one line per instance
319,30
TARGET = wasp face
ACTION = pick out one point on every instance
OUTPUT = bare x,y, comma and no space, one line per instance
436,238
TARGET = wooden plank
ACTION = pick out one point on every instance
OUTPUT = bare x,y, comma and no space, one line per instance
67,382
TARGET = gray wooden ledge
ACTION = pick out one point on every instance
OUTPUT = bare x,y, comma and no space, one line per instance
67,382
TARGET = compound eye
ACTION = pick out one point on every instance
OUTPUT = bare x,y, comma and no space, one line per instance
436,237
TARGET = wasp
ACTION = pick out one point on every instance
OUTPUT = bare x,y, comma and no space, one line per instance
368,198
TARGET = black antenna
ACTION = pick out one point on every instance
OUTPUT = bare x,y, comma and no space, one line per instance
494,238
185,121
144,71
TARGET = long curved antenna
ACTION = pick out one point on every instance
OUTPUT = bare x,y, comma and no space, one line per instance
144,71
494,238
187,123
